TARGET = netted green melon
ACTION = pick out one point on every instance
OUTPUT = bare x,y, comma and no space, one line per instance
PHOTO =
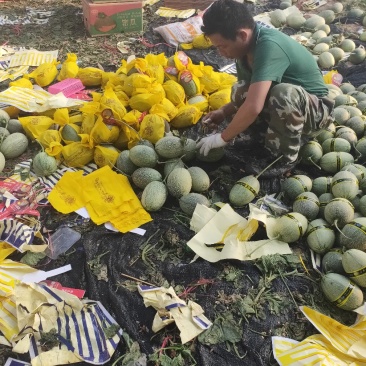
357,124
143,156
293,186
326,60
326,133
328,15
340,291
320,236
288,228
357,55
188,202
179,182
345,99
313,22
357,169
189,150
348,134
214,155
347,45
345,185
295,21
339,212
337,53
124,163
141,177
337,7
172,164
333,162
354,264
332,262
354,234
322,185
307,204
324,199
336,144
310,153
278,18
244,191
154,196
200,179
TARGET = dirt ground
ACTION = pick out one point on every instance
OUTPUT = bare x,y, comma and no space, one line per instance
252,301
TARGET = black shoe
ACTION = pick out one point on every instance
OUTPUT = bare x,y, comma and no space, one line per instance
279,169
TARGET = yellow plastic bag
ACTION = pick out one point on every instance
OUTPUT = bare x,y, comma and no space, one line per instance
152,128
137,65
69,68
199,101
105,155
219,99
136,81
227,80
159,110
89,111
51,141
121,95
90,76
155,68
109,100
143,102
187,116
44,74
22,83
174,92
201,42
34,126
78,154
102,133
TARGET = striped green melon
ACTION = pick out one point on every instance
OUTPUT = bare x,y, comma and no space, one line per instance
141,177
14,145
336,144
307,203
143,156
200,179
354,264
356,204
340,291
44,165
346,87
288,228
354,234
244,191
353,111
179,182
362,106
339,212
310,152
358,95
333,162
360,147
345,185
169,147
154,196
171,164
320,236
345,99
124,163
324,199
332,262
295,185
322,185
188,202
348,134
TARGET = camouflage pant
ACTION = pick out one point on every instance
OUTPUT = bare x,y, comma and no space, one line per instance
291,116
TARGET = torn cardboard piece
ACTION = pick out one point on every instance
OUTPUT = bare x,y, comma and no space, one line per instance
170,308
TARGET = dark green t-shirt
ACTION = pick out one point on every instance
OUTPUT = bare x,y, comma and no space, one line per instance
279,58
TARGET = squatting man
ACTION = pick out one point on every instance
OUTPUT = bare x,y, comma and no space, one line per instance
280,88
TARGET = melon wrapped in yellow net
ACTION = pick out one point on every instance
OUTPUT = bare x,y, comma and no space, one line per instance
90,76
219,99
105,155
188,115
69,68
51,141
152,128
174,92
44,74
78,154
34,126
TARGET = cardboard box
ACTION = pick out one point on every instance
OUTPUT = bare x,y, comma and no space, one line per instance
188,4
102,19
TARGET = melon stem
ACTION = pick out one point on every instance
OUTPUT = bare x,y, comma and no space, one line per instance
313,162
267,167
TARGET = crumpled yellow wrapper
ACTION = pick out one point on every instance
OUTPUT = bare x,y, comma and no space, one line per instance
170,308
226,235
337,345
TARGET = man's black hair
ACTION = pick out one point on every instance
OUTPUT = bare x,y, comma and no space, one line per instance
226,17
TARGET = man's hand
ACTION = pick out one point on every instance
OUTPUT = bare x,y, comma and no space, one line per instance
210,142
212,119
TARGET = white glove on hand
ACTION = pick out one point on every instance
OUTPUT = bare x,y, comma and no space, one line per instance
210,142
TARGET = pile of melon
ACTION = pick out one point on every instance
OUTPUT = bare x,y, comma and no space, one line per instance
160,171
314,32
